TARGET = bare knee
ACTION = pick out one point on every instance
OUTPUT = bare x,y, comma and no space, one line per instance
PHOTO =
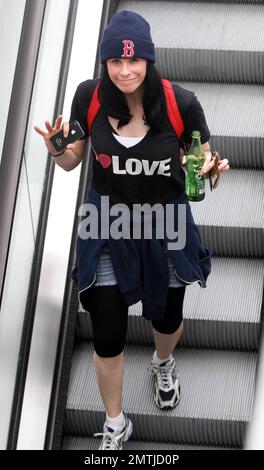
107,357
181,328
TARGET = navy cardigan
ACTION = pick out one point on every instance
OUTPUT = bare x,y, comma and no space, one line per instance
140,265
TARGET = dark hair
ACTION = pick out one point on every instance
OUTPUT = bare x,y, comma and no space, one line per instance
114,104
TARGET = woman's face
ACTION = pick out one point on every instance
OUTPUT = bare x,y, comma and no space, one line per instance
127,74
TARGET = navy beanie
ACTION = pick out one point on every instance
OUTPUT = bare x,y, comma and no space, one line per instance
126,36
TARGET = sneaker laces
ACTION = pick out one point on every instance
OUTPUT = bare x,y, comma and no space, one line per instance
165,374
110,439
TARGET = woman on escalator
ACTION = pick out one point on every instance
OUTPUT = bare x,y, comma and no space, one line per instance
137,160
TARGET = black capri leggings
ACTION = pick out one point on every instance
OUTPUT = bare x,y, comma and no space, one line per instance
109,315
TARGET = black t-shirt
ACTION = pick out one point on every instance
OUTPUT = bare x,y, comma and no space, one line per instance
150,171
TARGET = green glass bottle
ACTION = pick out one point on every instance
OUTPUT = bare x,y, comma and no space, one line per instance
195,181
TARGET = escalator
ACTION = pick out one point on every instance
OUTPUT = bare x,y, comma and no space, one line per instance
214,49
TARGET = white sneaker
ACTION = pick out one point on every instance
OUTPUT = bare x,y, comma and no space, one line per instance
167,386
113,440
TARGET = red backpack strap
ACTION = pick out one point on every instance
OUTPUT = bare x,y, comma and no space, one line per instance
173,112
93,108
172,108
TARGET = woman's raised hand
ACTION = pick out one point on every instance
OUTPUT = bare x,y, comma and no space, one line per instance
51,131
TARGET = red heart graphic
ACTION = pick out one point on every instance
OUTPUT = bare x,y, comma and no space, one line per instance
105,160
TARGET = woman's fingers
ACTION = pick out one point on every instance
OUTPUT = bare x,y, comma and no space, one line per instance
207,166
48,126
224,165
39,131
51,131
66,128
183,162
58,122
57,125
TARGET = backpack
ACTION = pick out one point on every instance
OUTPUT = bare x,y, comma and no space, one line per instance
173,112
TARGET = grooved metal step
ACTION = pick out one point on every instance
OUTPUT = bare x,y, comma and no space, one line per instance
235,116
216,403
211,319
86,443
205,42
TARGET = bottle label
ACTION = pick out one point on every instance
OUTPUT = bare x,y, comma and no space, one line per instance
195,181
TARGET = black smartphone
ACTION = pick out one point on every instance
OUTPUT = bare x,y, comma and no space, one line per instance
75,133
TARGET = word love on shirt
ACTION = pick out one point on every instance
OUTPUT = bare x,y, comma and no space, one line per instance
134,166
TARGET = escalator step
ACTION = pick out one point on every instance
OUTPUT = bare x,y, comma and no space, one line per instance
86,443
217,396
